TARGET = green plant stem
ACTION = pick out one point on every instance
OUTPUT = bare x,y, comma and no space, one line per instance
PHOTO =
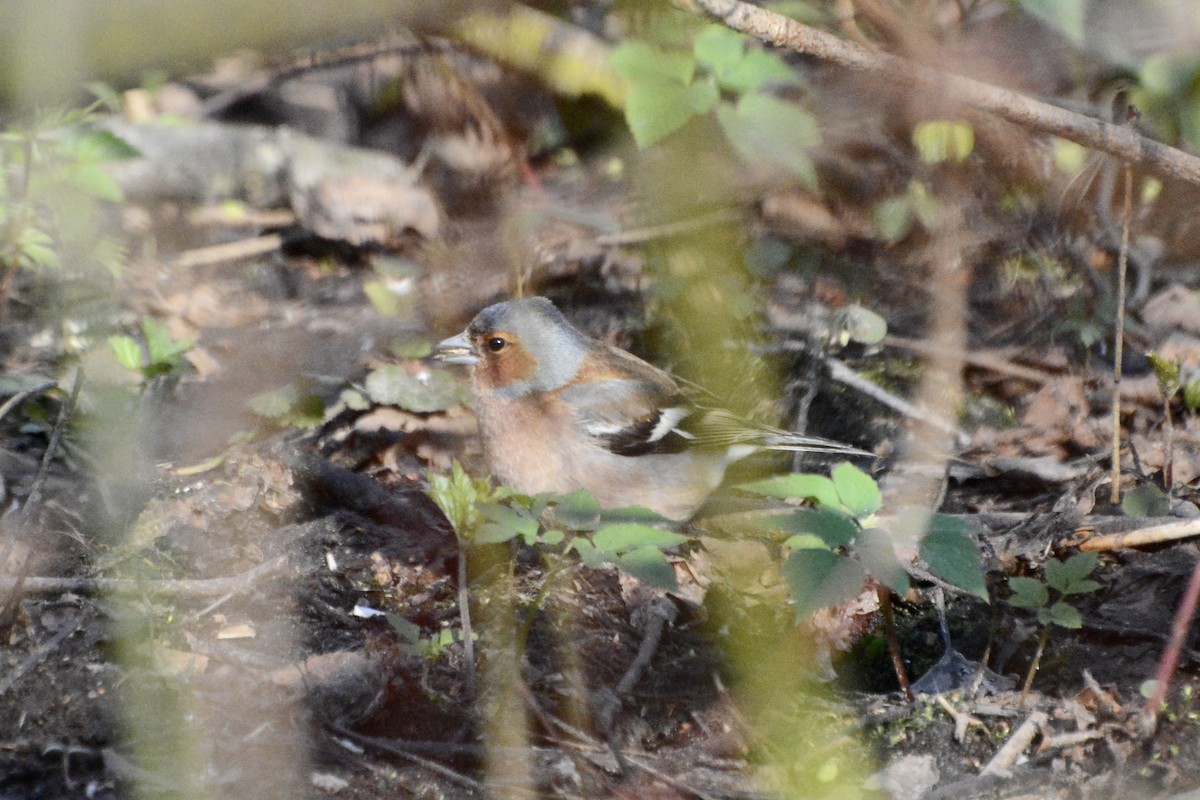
464,613
526,626
1037,662
1168,445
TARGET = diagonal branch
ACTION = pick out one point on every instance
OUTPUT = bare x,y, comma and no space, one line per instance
1116,140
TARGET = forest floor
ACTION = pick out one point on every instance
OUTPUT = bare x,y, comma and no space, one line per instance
229,578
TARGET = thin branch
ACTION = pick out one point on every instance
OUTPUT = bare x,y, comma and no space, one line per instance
1120,141
188,587
1170,657
35,489
1170,532
21,397
1119,341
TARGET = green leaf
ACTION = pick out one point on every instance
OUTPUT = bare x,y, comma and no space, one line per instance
1027,592
127,351
1083,587
762,128
1062,614
719,49
1069,577
758,69
578,510
159,344
354,400
385,301
805,541
90,144
458,495
656,107
1081,565
857,490
435,390
637,514
893,218
820,578
521,524
1146,500
553,537
623,537
799,486
94,180
36,248
1167,373
1191,395
855,323
493,533
943,140
273,404
307,412
833,526
649,565
878,555
952,556
639,61
288,406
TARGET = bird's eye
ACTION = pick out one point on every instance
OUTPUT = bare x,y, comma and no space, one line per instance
496,344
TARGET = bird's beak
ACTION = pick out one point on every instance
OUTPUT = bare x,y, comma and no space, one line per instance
456,350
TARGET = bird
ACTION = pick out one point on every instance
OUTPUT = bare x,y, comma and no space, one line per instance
559,411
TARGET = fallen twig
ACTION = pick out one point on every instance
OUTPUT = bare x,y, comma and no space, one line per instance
962,720
1157,534
39,655
230,251
1008,754
976,359
843,374
1116,140
184,587
21,397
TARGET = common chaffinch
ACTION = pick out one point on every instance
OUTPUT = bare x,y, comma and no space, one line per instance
559,411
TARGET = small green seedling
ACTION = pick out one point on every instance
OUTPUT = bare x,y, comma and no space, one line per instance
625,537
1063,578
289,406
52,187
415,643
156,355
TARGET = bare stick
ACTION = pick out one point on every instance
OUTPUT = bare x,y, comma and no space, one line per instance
21,397
1119,340
1170,532
1120,141
189,588
230,251
1007,755
38,655
35,490
889,625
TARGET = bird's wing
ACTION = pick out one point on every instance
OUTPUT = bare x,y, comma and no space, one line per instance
634,408
631,407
